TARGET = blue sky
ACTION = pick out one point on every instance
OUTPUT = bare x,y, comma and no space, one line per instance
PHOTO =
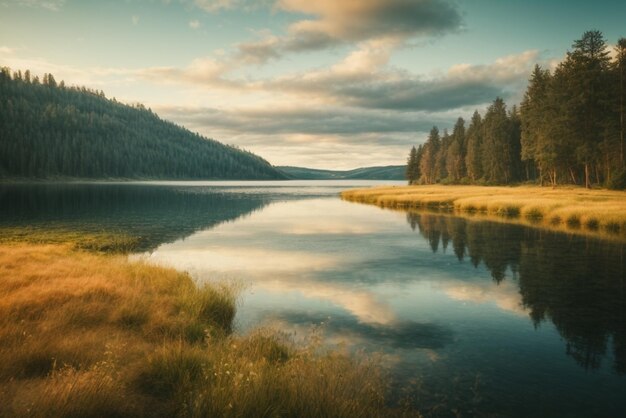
325,83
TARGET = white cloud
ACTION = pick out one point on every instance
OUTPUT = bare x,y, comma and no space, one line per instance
360,111
53,5
194,24
215,5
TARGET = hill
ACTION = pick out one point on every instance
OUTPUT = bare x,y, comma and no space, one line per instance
48,130
392,172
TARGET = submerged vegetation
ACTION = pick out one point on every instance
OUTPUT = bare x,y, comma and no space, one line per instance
570,208
92,334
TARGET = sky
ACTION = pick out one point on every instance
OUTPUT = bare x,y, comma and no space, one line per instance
334,84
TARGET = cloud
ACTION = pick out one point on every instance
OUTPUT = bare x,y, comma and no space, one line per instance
5,50
505,296
336,23
337,137
53,5
404,334
135,20
201,71
217,6
272,120
214,5
194,24
362,81
359,20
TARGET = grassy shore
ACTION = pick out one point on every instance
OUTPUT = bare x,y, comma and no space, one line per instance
570,208
90,334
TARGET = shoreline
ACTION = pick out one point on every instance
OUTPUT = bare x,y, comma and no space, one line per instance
599,213
87,332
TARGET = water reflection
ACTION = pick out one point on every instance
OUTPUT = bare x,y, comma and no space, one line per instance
577,283
156,214
449,301
398,334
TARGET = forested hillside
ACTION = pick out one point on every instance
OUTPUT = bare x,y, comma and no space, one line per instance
569,128
392,172
50,130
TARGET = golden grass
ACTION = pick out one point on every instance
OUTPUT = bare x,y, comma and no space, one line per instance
570,208
89,334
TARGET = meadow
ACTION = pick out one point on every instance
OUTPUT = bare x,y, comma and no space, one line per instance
568,208
86,332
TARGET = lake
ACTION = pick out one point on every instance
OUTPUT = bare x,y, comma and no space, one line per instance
480,317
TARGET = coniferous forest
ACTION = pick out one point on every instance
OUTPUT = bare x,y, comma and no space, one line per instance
50,130
569,128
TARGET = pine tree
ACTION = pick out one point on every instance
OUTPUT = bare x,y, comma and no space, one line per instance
588,66
441,171
455,158
412,166
51,130
620,67
515,143
498,149
429,157
532,118
473,160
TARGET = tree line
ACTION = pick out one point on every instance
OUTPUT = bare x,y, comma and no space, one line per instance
569,128
48,129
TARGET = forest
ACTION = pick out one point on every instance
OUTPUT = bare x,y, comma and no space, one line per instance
50,130
568,129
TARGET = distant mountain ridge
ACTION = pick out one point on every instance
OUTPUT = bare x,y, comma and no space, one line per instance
48,130
391,172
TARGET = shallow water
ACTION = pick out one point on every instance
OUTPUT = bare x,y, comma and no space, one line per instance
476,316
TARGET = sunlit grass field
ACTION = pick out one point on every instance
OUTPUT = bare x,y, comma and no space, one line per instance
571,208
91,334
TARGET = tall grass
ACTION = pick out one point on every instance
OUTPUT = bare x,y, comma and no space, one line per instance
89,334
570,208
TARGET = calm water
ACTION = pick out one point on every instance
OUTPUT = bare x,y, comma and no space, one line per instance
481,317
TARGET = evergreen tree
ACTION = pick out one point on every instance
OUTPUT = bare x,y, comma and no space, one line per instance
473,160
587,69
412,166
455,158
429,157
620,69
570,127
50,130
532,119
515,143
496,150
441,171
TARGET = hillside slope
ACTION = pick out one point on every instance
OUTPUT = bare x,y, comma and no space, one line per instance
48,130
392,172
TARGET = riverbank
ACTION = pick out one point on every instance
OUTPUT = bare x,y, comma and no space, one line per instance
85,332
568,208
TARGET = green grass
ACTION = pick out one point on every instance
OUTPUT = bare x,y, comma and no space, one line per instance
105,242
